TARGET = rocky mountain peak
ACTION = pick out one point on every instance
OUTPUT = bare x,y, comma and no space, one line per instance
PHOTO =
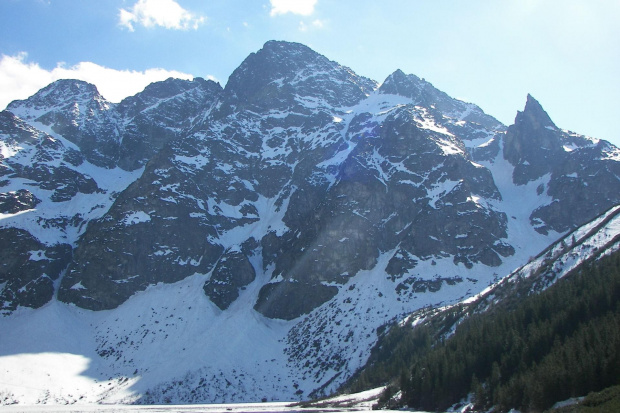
283,75
165,89
398,83
68,89
169,90
423,93
59,94
533,143
279,49
535,115
171,87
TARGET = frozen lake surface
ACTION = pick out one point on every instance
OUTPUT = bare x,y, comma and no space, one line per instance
214,408
359,402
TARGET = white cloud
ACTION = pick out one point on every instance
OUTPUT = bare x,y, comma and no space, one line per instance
20,79
164,13
316,24
303,7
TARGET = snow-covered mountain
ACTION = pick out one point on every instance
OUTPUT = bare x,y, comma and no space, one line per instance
66,155
200,244
590,242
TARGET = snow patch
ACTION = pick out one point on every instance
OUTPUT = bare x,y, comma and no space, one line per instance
78,286
439,190
133,218
8,151
38,255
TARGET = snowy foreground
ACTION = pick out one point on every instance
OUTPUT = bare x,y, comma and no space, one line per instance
262,407
348,403
257,407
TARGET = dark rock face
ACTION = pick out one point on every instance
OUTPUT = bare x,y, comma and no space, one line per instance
583,173
144,239
587,181
399,188
65,182
41,160
533,143
288,299
20,200
232,272
28,269
164,111
16,131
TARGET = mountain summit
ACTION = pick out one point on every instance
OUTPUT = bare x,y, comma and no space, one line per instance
535,114
534,142
282,75
250,242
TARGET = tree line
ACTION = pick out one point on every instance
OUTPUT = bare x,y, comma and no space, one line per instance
541,349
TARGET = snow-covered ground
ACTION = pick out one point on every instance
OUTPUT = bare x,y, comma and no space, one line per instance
358,402
61,354
197,408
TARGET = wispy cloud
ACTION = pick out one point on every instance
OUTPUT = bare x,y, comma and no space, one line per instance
316,24
164,13
303,7
20,79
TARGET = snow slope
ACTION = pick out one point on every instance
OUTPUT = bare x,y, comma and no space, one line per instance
358,402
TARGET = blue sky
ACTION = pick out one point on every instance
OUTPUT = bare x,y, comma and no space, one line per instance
566,53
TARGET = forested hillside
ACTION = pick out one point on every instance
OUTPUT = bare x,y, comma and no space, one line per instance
549,347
